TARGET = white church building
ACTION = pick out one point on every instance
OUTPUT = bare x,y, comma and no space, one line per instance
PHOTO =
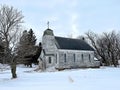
65,53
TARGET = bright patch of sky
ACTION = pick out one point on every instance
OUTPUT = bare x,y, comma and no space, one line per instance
69,17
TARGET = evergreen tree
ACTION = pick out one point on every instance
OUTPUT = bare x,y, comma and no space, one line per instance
27,49
31,37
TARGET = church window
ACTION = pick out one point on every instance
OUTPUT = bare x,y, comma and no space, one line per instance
82,57
89,57
50,59
56,58
65,57
74,57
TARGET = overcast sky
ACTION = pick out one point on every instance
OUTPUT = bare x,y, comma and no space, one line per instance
68,17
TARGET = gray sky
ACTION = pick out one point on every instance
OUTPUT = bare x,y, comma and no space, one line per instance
68,17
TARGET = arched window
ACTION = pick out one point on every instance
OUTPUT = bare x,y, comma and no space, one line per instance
50,60
89,58
64,57
56,58
82,57
74,57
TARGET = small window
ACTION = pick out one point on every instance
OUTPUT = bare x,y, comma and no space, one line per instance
89,57
65,57
82,57
74,57
50,60
56,58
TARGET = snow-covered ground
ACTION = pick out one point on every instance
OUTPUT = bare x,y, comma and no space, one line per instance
105,78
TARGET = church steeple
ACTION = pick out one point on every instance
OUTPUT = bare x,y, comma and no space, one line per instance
48,31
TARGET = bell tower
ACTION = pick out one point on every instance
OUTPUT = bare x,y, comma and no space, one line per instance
49,47
48,39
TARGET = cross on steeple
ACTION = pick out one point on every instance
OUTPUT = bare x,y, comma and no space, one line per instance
48,24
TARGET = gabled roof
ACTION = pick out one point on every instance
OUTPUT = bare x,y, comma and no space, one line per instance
72,44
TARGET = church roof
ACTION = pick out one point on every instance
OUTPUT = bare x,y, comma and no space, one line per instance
72,44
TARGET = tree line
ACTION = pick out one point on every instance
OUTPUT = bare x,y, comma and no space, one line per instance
107,47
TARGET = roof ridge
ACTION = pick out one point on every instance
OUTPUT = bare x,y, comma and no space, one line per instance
69,38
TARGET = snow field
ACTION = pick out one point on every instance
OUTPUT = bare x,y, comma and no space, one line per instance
78,79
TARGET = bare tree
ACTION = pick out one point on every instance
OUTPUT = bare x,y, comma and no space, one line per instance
94,38
112,46
1,50
106,46
10,22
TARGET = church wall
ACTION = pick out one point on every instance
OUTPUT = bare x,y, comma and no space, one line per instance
74,59
50,61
